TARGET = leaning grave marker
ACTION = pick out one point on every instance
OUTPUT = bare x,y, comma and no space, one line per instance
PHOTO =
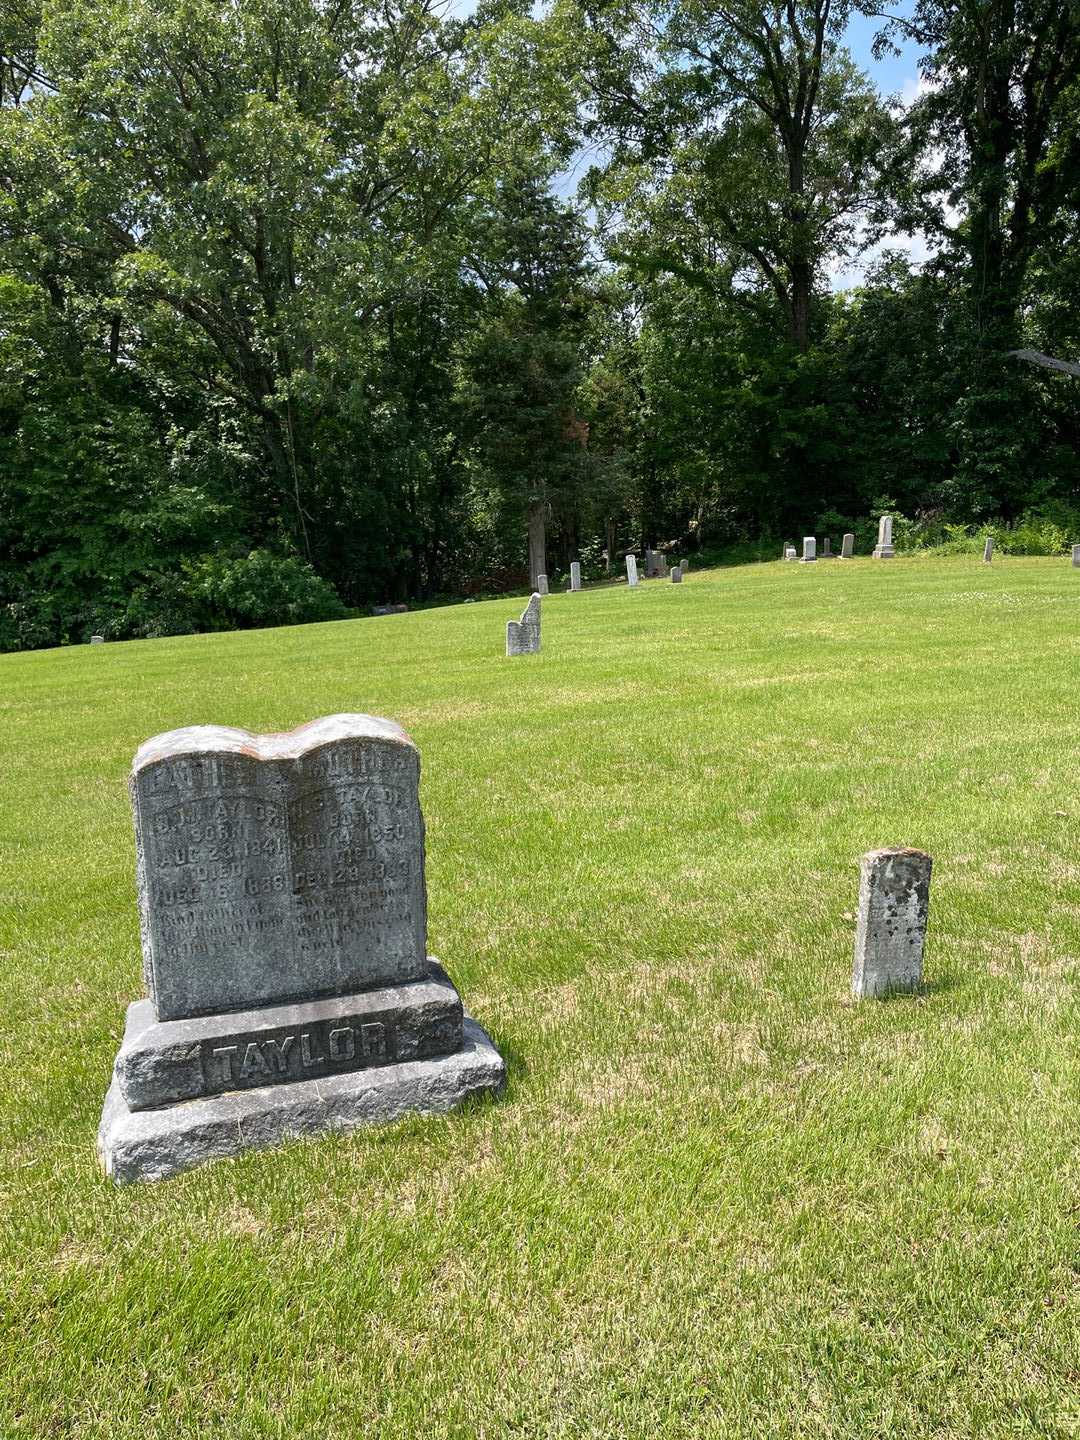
283,917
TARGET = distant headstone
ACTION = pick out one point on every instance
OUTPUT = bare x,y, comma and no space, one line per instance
284,927
894,897
809,550
988,550
542,585
631,570
826,548
575,575
650,564
791,553
847,548
97,639
684,565
883,550
661,566
1076,556
676,575
523,636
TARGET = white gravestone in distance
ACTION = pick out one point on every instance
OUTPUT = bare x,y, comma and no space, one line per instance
791,553
988,550
826,549
283,914
847,548
523,636
1076,557
809,550
542,585
883,550
894,897
575,575
676,575
631,570
97,639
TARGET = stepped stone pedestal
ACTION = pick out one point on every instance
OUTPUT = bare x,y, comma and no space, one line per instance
283,917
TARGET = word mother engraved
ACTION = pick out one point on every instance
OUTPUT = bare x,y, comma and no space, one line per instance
278,867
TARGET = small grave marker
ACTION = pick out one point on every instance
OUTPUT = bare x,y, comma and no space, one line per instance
631,570
809,550
523,636
575,575
894,897
883,550
847,548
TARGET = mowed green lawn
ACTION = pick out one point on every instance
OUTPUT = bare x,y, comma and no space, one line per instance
717,1198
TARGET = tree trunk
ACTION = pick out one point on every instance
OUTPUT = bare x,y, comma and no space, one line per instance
537,541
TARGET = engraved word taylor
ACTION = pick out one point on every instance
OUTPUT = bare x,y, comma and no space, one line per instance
283,917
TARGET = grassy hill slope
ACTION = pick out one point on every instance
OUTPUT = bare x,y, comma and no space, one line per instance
717,1198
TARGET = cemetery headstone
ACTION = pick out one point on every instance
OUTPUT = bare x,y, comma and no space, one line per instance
97,639
523,636
791,553
631,570
1076,557
283,914
847,548
650,564
684,565
542,585
809,550
826,548
676,575
575,575
988,550
883,550
894,897
661,566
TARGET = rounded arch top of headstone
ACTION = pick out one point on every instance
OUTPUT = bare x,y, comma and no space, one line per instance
275,745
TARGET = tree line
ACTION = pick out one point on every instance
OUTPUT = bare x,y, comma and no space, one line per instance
311,304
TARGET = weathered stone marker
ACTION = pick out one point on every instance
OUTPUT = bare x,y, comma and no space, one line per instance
791,553
883,550
684,565
676,575
847,548
894,895
988,550
523,636
809,550
826,549
575,575
283,916
97,639
542,585
631,570
1076,557
661,566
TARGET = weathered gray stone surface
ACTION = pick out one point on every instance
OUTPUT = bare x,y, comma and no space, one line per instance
274,868
684,565
826,549
575,575
1076,556
523,636
631,570
676,575
791,553
883,550
164,1061
153,1144
988,550
542,585
661,566
847,547
809,550
97,639
894,897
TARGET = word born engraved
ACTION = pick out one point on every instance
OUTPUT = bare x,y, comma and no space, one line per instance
323,1048
280,867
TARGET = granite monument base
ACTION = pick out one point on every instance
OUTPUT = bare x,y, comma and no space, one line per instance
187,1091
154,1144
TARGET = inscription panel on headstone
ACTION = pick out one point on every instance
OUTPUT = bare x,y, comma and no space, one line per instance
278,867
